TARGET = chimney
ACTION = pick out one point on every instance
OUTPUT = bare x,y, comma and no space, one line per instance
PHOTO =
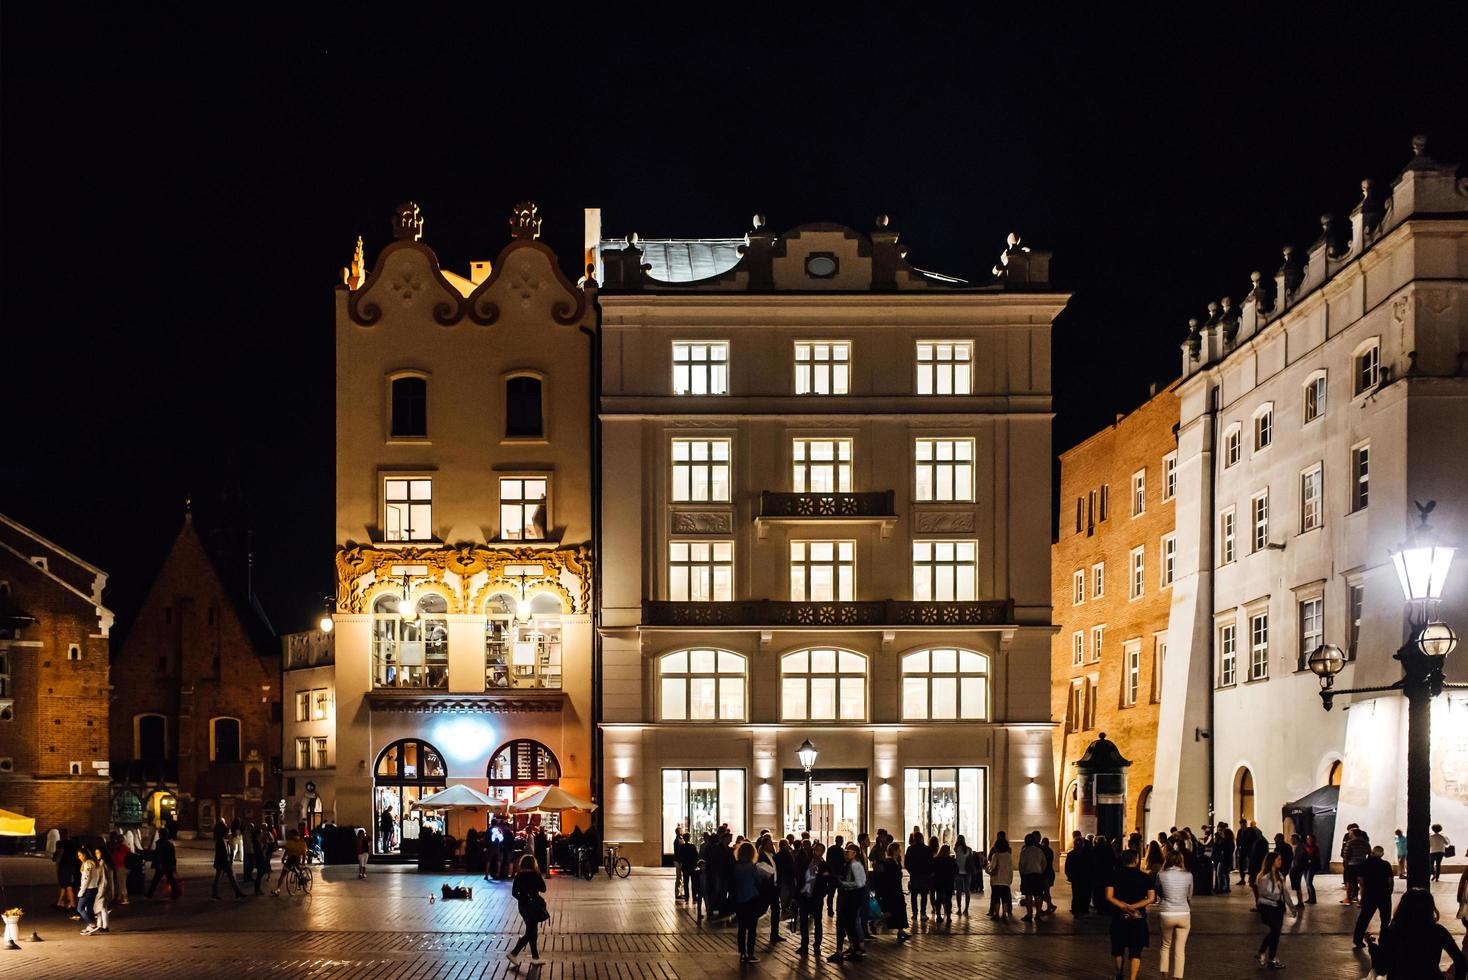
592,238
479,271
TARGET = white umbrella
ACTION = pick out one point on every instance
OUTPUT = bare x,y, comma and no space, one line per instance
457,795
552,799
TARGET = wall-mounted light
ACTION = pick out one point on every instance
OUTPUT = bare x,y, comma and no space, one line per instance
327,624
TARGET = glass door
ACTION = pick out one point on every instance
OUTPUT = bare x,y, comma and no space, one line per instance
836,807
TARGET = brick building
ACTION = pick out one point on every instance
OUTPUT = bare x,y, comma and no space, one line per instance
1112,567
196,695
53,682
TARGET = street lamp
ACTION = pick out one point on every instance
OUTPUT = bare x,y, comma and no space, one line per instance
327,624
807,755
1422,564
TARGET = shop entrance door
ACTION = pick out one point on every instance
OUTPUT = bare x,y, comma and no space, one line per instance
837,803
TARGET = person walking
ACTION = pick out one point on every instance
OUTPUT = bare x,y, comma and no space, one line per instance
750,894
528,891
93,873
1175,913
1377,882
223,861
1401,842
850,905
1299,857
106,891
245,847
1269,900
364,851
165,866
1355,850
1076,865
1031,875
264,853
1128,895
814,883
1312,866
1437,848
888,888
919,864
1001,878
945,874
1413,946
963,884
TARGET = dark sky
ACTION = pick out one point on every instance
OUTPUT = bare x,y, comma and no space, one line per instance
177,193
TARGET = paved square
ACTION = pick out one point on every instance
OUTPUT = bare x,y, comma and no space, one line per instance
385,927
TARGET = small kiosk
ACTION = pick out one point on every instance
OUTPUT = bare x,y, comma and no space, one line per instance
1101,779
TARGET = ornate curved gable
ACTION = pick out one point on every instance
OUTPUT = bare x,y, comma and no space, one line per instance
526,277
405,279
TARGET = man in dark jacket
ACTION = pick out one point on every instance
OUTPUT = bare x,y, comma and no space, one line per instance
1103,864
919,864
1377,881
1244,849
1077,869
165,866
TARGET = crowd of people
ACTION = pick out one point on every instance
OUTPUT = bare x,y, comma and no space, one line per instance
880,886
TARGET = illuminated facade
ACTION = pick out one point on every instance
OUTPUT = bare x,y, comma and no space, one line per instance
1312,415
464,583
53,683
1112,569
827,503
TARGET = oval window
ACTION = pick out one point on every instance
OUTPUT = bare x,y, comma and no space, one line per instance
820,266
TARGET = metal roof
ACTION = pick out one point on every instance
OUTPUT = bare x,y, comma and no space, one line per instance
686,259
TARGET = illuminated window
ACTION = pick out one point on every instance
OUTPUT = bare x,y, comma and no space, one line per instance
701,368
1360,477
701,571
409,408
303,753
1227,549
945,367
944,571
524,416
320,745
320,704
945,684
945,469
1228,655
822,571
1314,398
409,509
821,465
522,509
1367,364
1312,504
823,685
701,470
822,368
303,706
702,685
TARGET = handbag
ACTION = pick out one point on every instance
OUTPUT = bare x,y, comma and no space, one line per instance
1449,851
874,908
540,909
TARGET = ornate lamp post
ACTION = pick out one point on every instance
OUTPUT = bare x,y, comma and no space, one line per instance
807,756
1422,568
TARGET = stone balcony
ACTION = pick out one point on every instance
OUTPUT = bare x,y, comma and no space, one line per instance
874,506
880,612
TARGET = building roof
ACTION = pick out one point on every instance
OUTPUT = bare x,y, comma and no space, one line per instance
685,259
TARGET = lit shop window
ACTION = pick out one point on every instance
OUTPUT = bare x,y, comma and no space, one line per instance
945,367
823,685
701,368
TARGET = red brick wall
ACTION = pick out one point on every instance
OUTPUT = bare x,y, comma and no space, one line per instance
61,710
190,658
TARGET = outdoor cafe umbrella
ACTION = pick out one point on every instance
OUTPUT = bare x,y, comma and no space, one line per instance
456,797
552,799
15,825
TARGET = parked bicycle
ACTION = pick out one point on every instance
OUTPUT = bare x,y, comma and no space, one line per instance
614,862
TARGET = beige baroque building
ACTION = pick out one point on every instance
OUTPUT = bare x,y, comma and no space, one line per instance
827,503
463,648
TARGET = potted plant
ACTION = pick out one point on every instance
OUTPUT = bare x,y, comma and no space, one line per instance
12,927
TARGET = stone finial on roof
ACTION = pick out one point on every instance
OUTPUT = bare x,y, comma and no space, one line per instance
1420,160
757,222
1291,271
1012,244
1195,338
1262,297
354,275
1229,317
525,221
407,222
1329,235
882,222
1373,207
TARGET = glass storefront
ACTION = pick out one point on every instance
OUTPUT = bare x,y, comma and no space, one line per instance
837,806
699,800
522,654
406,771
946,803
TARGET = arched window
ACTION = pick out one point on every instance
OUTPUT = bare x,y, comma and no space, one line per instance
523,761
1314,398
522,654
1243,795
409,408
1366,366
405,772
945,684
823,685
1333,777
702,685
150,737
224,740
410,762
410,652
523,416
1144,813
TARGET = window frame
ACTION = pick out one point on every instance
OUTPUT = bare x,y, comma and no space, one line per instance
713,564
543,383
955,367
321,758
1139,492
709,465
689,675
214,738
1078,648
1360,476
708,365
1314,398
831,364
1078,587
930,674
1169,476
1137,571
837,564
1228,536
1167,559
1303,634
837,676
522,503
1307,523
1355,612
1159,660
1131,672
934,465
933,563
802,463
1259,521
1228,654
303,753
393,377
1098,643
408,478
1233,445
1263,427
1098,580
1258,649
1366,352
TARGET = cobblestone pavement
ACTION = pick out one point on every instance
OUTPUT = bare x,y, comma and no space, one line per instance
385,928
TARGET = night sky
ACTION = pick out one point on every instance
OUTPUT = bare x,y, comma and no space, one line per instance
178,192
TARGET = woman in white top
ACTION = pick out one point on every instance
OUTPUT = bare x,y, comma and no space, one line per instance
1175,908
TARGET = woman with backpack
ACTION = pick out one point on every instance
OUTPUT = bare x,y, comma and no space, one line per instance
1270,896
528,892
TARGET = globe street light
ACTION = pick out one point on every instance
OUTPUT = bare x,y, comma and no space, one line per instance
807,756
1422,565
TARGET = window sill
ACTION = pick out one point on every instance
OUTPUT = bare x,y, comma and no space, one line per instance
524,441
414,543
409,441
